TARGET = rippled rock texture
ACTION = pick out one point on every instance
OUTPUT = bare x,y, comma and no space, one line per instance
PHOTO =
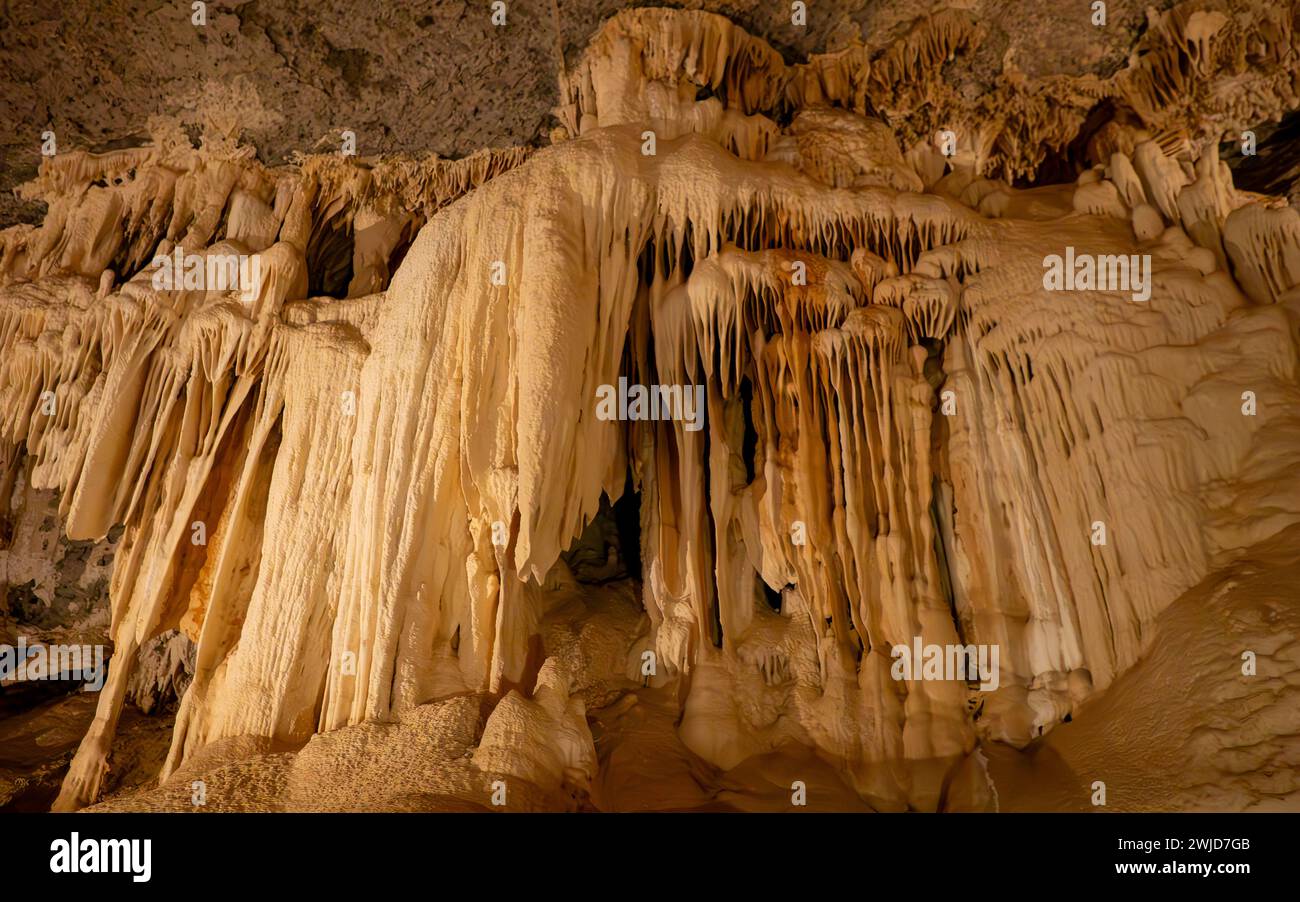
893,427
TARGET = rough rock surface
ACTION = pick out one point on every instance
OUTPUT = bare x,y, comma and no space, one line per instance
422,568
410,76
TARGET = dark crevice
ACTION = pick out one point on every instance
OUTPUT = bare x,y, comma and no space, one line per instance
329,258
627,518
771,596
749,445
1274,168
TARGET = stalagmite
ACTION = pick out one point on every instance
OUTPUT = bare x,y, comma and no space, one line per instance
355,483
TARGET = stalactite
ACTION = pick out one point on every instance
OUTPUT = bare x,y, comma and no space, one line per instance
905,434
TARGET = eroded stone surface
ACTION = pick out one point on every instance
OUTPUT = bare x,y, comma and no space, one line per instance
365,487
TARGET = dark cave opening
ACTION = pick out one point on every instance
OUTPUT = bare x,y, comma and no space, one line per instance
627,518
1061,165
1271,168
771,596
609,548
329,258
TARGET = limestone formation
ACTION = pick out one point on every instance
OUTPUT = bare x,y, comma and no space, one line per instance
346,410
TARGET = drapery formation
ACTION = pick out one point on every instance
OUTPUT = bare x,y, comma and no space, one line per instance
389,445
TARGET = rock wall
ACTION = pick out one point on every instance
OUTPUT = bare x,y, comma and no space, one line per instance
352,482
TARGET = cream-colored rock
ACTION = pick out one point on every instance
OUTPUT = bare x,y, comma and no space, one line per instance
1147,224
885,430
